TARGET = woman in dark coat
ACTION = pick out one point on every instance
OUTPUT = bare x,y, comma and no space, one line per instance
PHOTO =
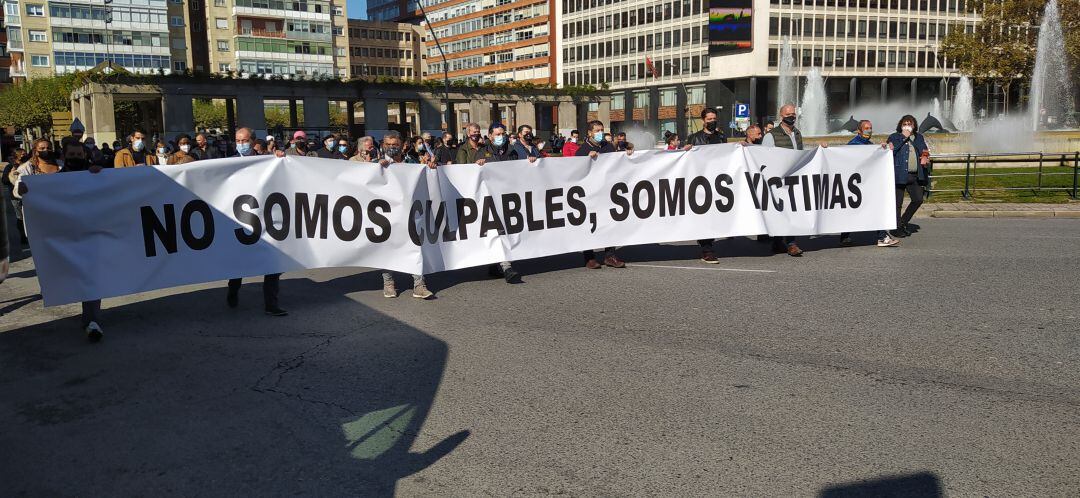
911,165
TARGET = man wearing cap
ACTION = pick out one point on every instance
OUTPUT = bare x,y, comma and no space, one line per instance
299,145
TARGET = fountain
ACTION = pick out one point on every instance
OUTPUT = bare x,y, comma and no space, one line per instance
812,117
961,106
787,81
1050,104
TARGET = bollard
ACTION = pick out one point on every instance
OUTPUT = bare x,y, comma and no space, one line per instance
1076,167
967,178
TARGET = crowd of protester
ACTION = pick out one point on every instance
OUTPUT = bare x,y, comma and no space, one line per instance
909,151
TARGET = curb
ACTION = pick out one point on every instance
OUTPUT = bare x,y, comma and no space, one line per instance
1005,214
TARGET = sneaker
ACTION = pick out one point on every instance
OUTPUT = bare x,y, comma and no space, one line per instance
793,250
389,289
592,265
495,271
232,299
846,241
888,241
275,311
94,332
911,227
421,292
512,276
614,262
708,257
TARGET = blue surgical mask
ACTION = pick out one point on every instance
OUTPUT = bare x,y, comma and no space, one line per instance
598,136
137,144
244,149
342,148
499,140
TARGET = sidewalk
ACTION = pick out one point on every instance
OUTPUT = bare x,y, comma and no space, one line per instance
999,210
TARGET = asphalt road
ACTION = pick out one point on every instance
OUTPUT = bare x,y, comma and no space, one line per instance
946,366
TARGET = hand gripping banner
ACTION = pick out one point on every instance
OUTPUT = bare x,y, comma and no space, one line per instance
124,231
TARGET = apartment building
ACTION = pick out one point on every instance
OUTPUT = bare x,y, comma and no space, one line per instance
260,37
668,59
386,49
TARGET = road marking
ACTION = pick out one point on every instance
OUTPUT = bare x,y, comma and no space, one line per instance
703,268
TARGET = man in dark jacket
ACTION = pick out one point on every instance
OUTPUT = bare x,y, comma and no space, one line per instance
245,147
203,149
329,150
524,147
710,133
785,136
498,149
473,149
594,145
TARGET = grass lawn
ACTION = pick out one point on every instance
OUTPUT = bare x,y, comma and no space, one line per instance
1025,177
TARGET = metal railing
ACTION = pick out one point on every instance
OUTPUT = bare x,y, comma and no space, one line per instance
1038,161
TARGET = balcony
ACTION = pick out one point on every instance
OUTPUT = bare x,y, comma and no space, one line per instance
280,13
259,32
12,20
16,45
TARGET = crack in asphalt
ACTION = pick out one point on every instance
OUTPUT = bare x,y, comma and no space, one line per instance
283,367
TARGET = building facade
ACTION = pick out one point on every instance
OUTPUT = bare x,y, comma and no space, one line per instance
385,49
260,37
657,54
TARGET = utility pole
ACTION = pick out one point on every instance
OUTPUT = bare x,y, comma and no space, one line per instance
449,118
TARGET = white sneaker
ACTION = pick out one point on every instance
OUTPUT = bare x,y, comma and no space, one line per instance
888,241
94,332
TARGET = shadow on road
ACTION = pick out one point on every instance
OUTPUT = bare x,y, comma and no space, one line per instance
186,396
920,485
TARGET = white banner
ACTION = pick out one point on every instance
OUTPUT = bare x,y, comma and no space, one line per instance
137,229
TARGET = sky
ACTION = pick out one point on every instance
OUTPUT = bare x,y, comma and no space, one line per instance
357,9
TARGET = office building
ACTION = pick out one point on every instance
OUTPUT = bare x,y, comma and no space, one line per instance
260,37
667,60
385,49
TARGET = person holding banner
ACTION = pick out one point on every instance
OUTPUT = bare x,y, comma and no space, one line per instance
785,136
245,147
135,153
592,147
710,133
42,163
501,150
394,153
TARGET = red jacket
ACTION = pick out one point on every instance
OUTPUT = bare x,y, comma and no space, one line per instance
569,149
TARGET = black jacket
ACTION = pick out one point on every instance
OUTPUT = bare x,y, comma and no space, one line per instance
329,154
601,148
701,138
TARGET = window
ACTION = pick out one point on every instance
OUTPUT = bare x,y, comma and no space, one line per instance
219,3
223,45
339,51
617,101
178,43
224,68
196,5
221,23
179,66
178,2
36,10
336,30
39,60
37,36
177,21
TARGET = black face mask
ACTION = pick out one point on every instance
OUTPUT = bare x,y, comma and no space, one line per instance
76,163
711,126
789,120
528,138
45,155
475,138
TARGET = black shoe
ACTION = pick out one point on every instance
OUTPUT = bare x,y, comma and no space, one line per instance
233,299
495,271
901,232
275,311
24,241
846,242
911,227
94,332
512,276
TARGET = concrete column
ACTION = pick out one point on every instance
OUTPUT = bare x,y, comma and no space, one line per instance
430,116
104,116
251,113
76,111
294,118
753,100
628,109
582,120
853,90
914,90
884,90
177,114
88,115
603,112
317,114
567,117
943,91
480,113
680,111
350,118
376,117
230,117
652,123
526,114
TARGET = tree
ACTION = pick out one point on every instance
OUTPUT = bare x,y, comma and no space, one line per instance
31,104
208,114
1001,49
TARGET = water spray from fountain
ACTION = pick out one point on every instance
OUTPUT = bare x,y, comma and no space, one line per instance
812,119
787,81
962,116
1050,102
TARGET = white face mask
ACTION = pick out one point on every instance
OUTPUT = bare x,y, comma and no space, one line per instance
161,150
907,129
185,148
